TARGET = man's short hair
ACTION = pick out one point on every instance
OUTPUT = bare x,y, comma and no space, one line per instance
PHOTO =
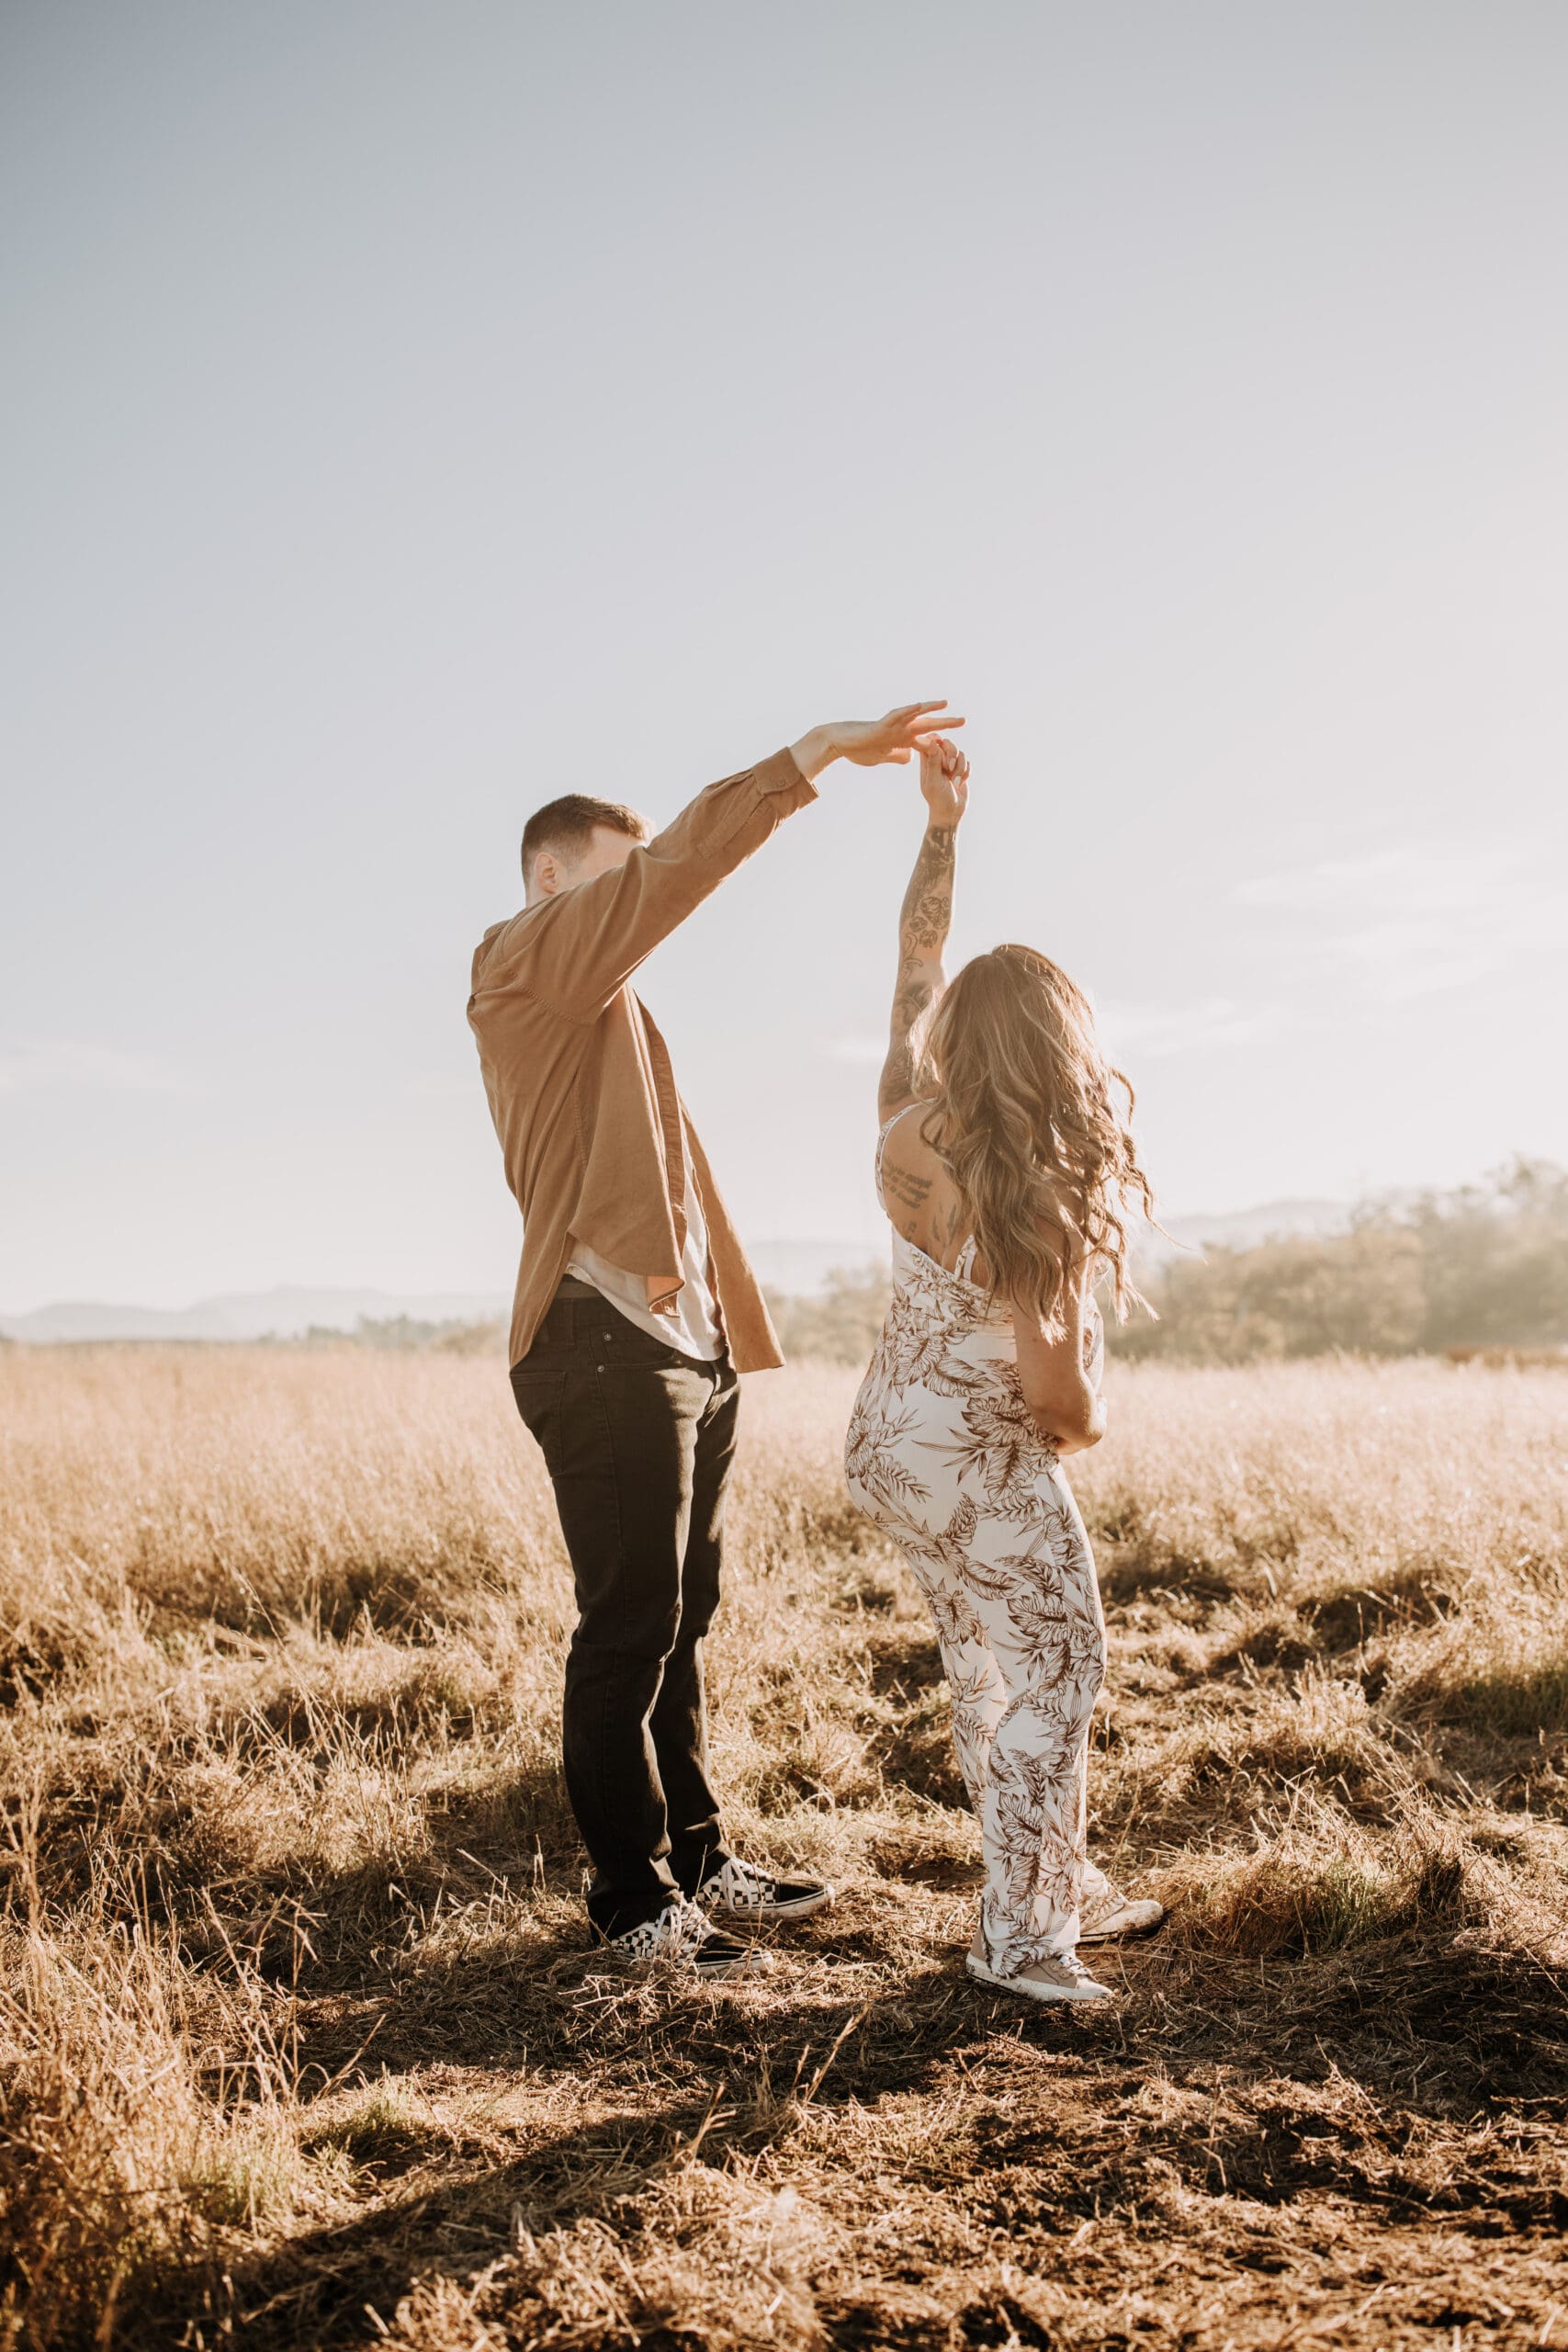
566,826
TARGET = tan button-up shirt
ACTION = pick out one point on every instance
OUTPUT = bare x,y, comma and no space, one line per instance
597,1143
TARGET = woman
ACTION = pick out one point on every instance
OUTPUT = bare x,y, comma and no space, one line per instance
1004,1167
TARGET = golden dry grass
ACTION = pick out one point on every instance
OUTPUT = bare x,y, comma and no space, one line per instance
302,2042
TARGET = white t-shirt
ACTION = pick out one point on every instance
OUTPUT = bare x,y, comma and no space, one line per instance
694,1327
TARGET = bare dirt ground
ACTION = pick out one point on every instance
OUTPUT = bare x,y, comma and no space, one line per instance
302,2043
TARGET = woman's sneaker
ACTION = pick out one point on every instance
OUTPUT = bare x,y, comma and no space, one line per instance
1120,1914
683,1937
743,1892
1043,1980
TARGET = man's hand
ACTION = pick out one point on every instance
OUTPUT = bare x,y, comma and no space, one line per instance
873,742
944,783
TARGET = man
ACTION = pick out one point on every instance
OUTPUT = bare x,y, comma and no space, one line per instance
635,1313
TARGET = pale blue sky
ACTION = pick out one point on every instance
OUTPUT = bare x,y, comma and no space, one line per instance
413,411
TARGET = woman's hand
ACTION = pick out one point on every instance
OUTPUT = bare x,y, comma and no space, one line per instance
944,782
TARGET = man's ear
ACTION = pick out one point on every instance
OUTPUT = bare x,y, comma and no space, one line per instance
544,879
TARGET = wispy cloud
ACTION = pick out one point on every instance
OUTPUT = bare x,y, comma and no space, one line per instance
1156,1030
865,1052
1404,924
101,1069
1417,880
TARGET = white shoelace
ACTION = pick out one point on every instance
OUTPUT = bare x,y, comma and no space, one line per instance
1071,1965
680,1927
743,1883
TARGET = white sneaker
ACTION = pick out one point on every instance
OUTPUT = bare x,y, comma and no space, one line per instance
682,1936
744,1891
1043,1980
1120,1915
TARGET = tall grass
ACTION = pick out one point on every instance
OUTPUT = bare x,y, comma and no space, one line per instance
296,2013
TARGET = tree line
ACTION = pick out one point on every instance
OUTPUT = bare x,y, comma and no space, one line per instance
1485,1266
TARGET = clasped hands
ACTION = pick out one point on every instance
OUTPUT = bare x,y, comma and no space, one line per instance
914,727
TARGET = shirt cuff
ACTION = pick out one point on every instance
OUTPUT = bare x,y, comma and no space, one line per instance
779,773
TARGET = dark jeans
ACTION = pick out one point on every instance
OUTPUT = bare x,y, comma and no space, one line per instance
638,1441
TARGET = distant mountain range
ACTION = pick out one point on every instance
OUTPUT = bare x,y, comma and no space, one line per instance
1245,1229
797,1269
247,1314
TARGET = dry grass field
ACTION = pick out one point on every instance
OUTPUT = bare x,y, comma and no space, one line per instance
302,2043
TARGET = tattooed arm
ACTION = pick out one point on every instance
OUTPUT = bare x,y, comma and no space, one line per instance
924,919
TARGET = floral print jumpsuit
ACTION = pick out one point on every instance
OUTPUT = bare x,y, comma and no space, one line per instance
943,1456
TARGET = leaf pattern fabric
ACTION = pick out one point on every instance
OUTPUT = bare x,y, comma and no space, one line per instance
943,1456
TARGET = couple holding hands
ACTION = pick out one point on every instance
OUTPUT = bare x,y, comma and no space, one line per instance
1009,1175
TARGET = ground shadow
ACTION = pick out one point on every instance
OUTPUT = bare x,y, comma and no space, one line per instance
1304,2079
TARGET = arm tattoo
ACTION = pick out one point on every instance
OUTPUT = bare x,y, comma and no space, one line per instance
923,923
910,1003
927,914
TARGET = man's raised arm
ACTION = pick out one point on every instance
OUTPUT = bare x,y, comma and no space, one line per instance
574,950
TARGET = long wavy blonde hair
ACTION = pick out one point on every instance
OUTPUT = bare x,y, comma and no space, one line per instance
1023,1117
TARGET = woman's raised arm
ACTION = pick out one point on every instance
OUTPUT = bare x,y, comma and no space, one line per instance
925,919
